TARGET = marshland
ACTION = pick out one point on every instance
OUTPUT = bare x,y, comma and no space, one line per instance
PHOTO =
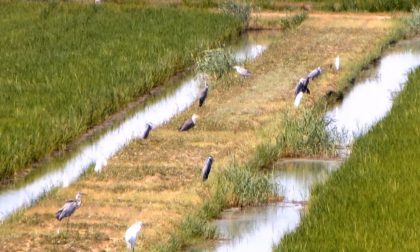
68,69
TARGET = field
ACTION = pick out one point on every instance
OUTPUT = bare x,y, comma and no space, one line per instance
66,67
157,180
370,204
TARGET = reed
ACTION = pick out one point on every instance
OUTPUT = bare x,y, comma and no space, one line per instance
65,67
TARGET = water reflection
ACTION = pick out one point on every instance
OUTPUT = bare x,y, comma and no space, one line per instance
106,146
259,228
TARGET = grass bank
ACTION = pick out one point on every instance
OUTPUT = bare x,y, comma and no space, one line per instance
370,204
65,66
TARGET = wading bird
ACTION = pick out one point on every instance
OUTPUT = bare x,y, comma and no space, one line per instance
206,168
190,123
147,131
337,63
242,71
315,73
203,95
131,235
301,88
69,208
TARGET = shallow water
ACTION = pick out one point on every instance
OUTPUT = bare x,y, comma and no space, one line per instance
370,100
259,228
159,113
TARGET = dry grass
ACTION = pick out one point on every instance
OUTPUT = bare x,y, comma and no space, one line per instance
158,180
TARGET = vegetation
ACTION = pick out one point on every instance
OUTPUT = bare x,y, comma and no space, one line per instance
216,62
65,66
371,196
413,22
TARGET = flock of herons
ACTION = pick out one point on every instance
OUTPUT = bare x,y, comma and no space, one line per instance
133,231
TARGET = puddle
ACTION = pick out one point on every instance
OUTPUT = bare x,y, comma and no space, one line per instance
370,100
63,173
259,228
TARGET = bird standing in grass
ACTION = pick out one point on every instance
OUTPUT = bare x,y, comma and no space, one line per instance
315,73
207,168
242,71
131,235
203,95
301,88
147,131
69,208
190,123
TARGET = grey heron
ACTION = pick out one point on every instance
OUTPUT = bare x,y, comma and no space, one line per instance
315,73
242,71
206,168
131,234
147,131
190,123
203,95
69,208
302,86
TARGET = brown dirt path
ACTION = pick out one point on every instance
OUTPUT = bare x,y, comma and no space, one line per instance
157,180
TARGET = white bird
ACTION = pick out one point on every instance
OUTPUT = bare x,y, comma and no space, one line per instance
131,234
98,1
337,63
242,71
100,163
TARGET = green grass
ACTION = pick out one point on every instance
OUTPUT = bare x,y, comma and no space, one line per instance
371,203
65,66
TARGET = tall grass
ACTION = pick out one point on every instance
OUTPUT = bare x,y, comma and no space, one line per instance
371,203
66,66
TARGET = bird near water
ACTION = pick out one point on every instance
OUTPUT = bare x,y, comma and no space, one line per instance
69,208
207,168
242,71
189,124
203,95
147,131
131,235
301,88
315,73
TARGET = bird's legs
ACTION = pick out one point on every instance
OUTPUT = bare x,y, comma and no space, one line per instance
68,220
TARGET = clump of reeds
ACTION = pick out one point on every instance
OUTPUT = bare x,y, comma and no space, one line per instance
215,62
293,21
413,21
240,10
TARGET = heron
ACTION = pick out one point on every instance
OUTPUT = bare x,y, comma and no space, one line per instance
69,208
242,71
337,63
301,88
190,123
206,168
315,73
147,131
131,234
203,95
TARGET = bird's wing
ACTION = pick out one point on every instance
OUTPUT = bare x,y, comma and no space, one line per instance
187,124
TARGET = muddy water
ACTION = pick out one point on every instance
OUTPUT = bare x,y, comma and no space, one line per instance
63,173
370,100
259,228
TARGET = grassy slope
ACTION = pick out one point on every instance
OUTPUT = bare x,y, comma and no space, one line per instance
371,202
65,67
157,180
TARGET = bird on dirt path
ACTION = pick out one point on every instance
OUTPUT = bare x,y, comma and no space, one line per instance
206,168
69,208
242,71
203,95
190,123
147,131
131,235
315,73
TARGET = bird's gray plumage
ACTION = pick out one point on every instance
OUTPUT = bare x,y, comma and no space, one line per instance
302,86
203,95
315,73
147,131
207,168
188,124
69,207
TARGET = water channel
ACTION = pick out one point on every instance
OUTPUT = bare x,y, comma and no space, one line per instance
62,172
261,228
